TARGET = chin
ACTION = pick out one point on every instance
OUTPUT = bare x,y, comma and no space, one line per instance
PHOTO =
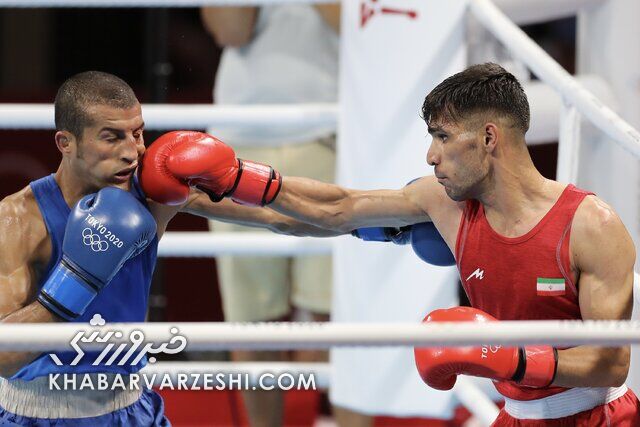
126,186
456,196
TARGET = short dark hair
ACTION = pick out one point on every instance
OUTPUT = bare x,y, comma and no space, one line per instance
85,89
482,87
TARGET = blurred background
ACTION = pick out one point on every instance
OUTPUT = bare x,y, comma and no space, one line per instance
167,56
164,54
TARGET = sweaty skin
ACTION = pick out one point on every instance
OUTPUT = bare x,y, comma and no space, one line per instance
107,155
490,163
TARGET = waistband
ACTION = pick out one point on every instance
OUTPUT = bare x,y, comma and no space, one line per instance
36,399
563,404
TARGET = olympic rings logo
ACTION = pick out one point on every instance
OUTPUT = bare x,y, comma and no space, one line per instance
94,241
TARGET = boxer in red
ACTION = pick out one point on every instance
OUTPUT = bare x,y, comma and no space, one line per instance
528,248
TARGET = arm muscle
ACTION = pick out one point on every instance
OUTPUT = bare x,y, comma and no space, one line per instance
228,211
337,208
22,235
604,254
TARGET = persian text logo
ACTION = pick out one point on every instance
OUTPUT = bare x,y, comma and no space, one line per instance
135,350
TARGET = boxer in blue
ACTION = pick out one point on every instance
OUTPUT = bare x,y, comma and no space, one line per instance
54,269
55,265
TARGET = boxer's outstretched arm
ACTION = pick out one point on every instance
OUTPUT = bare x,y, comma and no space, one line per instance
228,211
337,208
604,254
19,239
179,167
181,160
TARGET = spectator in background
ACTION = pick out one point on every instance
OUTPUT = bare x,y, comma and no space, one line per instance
280,54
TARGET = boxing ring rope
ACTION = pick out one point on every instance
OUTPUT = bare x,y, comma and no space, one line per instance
215,336
548,70
203,244
198,116
312,335
274,336
322,118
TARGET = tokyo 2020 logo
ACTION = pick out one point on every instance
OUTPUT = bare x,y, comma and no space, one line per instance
94,241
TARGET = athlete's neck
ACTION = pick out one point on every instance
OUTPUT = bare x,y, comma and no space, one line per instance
73,187
517,196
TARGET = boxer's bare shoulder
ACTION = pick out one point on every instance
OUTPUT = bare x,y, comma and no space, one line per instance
603,254
25,249
431,197
596,226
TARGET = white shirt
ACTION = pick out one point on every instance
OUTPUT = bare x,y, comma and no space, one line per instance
292,58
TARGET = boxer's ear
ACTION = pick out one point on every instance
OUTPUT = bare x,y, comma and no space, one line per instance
64,140
490,138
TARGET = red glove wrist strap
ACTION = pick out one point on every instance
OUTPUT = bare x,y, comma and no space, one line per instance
537,366
256,184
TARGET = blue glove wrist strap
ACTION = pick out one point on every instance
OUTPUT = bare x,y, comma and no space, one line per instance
372,234
66,294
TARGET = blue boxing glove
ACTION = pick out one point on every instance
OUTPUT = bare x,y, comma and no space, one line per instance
399,236
425,240
429,245
424,237
103,231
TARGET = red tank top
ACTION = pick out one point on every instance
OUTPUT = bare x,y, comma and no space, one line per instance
521,278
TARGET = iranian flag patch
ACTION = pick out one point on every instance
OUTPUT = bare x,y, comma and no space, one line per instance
550,287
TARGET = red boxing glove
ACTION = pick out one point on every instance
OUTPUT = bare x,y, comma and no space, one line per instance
533,366
182,159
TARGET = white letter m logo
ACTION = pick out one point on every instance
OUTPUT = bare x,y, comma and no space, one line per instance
478,274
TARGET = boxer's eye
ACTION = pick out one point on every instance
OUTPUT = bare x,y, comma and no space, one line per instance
109,137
